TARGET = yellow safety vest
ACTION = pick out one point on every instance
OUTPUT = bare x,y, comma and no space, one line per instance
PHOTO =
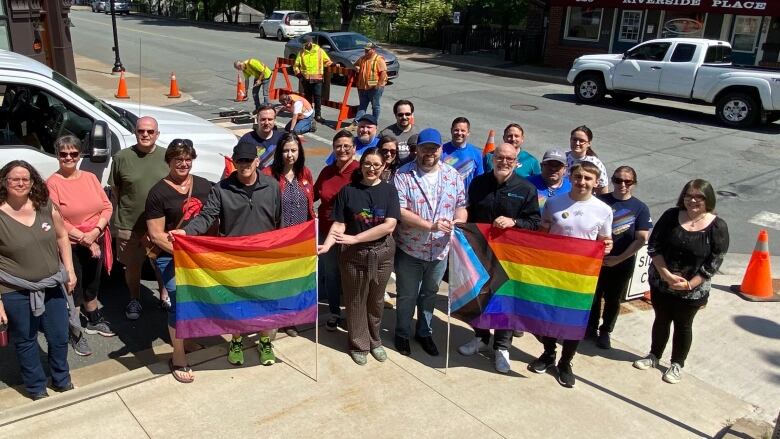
311,63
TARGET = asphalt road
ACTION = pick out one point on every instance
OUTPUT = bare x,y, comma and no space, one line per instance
668,144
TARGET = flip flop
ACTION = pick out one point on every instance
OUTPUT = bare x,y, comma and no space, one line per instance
185,369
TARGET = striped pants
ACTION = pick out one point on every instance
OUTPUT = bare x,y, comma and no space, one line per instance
365,269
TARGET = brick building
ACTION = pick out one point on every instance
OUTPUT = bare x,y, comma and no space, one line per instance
580,27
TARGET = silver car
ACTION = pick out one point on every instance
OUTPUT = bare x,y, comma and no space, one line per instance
285,24
343,48
120,6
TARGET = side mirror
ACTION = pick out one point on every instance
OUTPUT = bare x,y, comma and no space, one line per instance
625,55
99,142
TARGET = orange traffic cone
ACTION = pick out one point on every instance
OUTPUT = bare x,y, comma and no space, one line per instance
174,93
490,145
240,89
757,283
121,91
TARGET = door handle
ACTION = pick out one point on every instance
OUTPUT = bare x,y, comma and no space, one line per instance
655,68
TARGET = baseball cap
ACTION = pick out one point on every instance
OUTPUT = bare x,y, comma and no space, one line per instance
554,155
244,150
307,39
368,118
429,136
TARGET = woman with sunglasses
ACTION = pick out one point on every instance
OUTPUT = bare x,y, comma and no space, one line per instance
86,211
581,150
365,214
296,185
631,224
687,246
330,181
36,272
171,203
388,147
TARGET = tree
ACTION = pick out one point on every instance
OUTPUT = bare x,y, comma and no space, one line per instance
348,8
422,14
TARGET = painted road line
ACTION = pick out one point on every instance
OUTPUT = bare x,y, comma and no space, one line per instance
766,219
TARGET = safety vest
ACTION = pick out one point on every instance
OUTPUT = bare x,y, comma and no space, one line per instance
253,67
306,105
369,77
311,63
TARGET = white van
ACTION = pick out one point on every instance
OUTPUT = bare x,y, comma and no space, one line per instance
39,105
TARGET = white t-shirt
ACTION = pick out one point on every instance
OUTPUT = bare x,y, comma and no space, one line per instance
298,108
578,219
429,181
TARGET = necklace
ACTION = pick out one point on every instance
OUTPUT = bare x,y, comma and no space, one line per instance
694,221
183,185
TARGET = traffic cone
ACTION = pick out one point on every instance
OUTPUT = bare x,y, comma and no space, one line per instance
174,93
121,91
490,145
240,90
757,283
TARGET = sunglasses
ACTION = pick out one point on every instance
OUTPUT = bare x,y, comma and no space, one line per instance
149,132
388,151
181,142
244,161
616,180
694,198
73,155
403,114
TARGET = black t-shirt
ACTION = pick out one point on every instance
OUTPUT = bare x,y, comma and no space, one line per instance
362,207
628,216
265,147
165,201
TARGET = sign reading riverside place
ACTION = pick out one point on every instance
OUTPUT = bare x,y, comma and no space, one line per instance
741,7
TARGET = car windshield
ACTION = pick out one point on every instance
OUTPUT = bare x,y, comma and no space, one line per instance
299,16
350,41
97,103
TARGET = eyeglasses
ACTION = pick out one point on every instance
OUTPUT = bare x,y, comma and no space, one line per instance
576,140
18,180
694,198
388,151
403,114
73,155
148,132
504,159
372,165
186,160
616,180
342,147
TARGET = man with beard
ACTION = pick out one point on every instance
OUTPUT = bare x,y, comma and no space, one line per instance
366,137
265,135
432,200
404,130
553,180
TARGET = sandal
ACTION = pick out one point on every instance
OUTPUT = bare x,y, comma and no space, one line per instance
176,376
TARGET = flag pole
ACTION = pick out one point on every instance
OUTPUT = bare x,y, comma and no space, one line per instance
317,302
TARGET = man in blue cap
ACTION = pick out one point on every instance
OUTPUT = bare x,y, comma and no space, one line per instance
366,137
433,199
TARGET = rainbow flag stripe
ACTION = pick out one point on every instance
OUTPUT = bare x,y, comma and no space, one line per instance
538,282
245,283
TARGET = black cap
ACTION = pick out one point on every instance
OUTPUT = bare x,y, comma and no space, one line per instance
307,39
368,118
244,150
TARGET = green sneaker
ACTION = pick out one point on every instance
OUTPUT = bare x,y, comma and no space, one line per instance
267,357
236,352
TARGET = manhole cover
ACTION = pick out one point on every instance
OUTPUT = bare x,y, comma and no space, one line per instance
523,107
687,139
727,194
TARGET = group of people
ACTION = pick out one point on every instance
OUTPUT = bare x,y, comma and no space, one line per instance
387,203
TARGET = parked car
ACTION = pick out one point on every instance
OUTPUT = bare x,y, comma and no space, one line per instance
120,6
99,5
687,69
285,25
343,48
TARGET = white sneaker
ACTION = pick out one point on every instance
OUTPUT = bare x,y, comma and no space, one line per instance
502,360
646,363
673,375
474,346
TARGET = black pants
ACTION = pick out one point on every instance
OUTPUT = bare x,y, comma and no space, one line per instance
669,309
611,286
551,344
312,91
502,338
88,271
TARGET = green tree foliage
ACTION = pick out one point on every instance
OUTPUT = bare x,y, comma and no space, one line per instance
422,13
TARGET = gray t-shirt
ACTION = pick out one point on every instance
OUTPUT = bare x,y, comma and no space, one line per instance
407,141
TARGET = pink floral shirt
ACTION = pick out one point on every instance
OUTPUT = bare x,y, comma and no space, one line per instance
446,196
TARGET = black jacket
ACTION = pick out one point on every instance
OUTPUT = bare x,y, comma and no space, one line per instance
515,198
238,213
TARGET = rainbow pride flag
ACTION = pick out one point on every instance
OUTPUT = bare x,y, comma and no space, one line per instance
535,282
245,283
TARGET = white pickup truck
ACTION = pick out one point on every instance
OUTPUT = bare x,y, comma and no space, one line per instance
39,105
687,69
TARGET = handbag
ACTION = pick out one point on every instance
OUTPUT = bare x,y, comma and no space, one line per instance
153,250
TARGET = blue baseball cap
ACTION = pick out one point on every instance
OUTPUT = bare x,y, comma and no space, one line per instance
429,136
368,118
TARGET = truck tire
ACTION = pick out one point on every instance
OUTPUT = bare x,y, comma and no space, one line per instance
589,88
738,110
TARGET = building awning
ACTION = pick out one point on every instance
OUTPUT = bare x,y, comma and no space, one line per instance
737,7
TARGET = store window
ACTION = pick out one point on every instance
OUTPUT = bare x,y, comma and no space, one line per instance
683,25
745,33
630,24
583,23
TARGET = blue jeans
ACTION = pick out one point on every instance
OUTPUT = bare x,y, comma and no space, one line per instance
329,277
165,265
256,92
302,126
417,282
23,333
365,97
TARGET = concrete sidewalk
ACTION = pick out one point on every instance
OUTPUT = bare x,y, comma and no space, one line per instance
731,375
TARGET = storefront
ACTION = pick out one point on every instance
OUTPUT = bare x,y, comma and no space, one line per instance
579,27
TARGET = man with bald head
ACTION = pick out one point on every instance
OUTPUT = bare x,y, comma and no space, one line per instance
134,171
503,199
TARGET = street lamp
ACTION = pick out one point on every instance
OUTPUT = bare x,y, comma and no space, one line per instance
118,67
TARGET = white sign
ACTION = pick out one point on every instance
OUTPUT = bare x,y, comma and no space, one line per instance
639,285
456,17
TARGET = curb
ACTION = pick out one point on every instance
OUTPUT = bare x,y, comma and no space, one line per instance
508,73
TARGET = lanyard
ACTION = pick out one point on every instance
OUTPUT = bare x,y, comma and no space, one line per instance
439,192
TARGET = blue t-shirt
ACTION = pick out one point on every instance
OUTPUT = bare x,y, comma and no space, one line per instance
359,148
543,192
527,165
467,160
628,216
265,147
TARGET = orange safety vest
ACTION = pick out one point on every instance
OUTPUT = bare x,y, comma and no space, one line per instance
306,105
369,77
